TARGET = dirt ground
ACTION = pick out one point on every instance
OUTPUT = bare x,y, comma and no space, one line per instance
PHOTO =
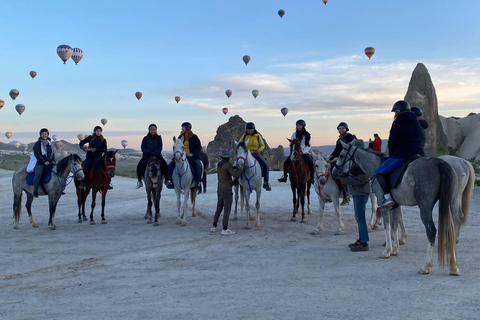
128,269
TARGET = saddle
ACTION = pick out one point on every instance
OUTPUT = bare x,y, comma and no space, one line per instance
47,175
396,175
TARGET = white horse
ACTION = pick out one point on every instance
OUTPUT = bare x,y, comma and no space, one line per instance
183,181
250,180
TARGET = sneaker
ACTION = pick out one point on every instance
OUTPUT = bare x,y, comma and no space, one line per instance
363,246
283,179
35,194
266,186
227,232
345,202
139,185
214,229
387,203
199,188
169,184
356,243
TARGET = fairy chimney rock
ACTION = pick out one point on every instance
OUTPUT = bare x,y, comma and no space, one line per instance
421,93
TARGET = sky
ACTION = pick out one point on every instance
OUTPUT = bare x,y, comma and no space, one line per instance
311,61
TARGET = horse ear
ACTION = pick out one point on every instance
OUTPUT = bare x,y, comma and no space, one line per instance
174,139
289,140
344,145
236,142
182,139
246,142
115,151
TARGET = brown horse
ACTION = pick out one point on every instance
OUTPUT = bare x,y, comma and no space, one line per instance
299,179
101,177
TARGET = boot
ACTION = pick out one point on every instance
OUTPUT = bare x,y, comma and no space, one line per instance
35,194
169,184
266,186
283,178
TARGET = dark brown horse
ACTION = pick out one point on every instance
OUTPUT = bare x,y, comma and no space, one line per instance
103,172
299,179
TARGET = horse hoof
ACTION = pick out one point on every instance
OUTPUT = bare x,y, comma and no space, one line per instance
80,221
85,219
257,224
251,217
92,223
293,219
394,254
315,232
16,227
235,218
104,221
53,228
385,256
34,226
178,221
455,272
145,217
194,214
248,227
156,224
339,232
149,221
421,271
383,245
401,242
303,221
184,224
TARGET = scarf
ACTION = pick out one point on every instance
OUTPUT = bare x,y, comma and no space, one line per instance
303,133
43,146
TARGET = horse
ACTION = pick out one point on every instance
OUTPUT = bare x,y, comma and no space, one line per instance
299,180
250,180
101,177
54,188
183,180
426,181
153,179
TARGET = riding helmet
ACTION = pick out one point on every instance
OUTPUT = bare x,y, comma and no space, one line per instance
401,105
187,125
418,112
343,124
250,126
301,122
97,127
44,130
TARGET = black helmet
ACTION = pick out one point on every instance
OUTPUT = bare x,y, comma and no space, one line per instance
250,126
343,124
187,125
97,127
302,122
418,112
44,130
401,105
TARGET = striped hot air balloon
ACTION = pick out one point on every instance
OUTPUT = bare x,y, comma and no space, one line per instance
284,111
80,137
104,121
138,95
325,1
369,51
281,13
8,134
20,108
246,59
228,93
177,98
255,93
2,103
77,55
33,74
64,52
14,94
225,110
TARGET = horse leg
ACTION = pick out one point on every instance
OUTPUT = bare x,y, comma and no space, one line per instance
247,208
94,195
84,199
320,217
236,203
386,212
341,227
374,221
294,200
79,204
157,206
309,184
179,217
148,215
394,224
403,238
184,209
28,205
427,220
104,196
52,203
257,206
193,195
17,209
302,201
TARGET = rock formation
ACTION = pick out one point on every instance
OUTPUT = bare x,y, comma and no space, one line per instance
421,93
463,136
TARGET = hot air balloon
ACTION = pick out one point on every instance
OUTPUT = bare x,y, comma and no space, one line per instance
80,136
64,52
33,74
138,94
229,93
246,59
369,51
24,147
14,94
177,98
64,154
8,134
104,121
284,111
124,143
77,55
54,137
281,13
2,103
225,110
325,1
255,93
20,108
17,145
58,145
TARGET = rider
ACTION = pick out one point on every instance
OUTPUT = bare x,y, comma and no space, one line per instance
43,152
405,141
192,147
256,145
304,136
97,145
423,123
344,137
151,147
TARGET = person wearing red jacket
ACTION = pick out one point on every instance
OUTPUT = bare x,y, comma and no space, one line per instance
377,143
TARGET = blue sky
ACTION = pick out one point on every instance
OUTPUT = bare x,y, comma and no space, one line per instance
311,62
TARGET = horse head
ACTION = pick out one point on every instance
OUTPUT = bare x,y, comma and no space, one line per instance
178,150
153,168
295,150
346,160
75,166
321,167
242,153
110,162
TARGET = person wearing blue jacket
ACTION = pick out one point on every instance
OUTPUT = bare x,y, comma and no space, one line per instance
152,146
97,145
404,141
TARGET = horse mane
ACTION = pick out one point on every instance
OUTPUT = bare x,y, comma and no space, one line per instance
63,164
242,144
378,154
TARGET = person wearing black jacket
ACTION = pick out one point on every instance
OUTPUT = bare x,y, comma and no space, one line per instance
404,141
42,150
204,158
192,147
152,146
97,145
423,123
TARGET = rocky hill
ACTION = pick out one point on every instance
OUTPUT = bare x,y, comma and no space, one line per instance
463,135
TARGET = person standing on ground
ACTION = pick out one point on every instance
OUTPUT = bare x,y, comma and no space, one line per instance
377,143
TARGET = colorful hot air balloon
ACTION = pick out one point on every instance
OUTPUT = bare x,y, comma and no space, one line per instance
33,74
14,94
225,110
2,103
58,145
177,98
138,94
104,121
255,93
281,13
77,55
64,52
325,1
80,137
8,134
17,145
124,143
24,147
284,111
246,59
20,108
64,154
369,51
54,137
228,93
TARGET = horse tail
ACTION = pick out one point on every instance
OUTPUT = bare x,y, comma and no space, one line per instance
242,199
446,230
467,193
378,214
16,214
192,194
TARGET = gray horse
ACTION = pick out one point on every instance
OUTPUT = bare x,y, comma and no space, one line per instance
426,181
54,188
153,179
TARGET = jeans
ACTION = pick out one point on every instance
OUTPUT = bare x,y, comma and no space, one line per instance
359,205
383,171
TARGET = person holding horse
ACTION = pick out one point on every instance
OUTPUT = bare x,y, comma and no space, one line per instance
152,146
97,145
304,137
42,150
256,145
404,143
423,123
345,137
225,172
192,147
204,158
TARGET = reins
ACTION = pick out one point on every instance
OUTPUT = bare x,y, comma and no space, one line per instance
246,168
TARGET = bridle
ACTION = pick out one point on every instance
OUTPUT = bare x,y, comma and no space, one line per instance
184,164
318,175
70,176
299,159
245,163
348,158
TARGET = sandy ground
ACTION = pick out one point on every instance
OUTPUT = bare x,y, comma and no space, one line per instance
127,269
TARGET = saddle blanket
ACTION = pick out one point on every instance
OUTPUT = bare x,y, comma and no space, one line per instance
397,175
46,179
